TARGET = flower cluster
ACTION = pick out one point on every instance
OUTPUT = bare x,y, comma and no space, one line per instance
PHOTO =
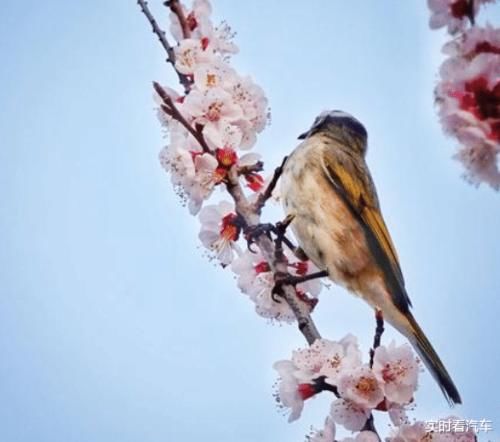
468,94
453,14
227,109
387,385
419,432
256,280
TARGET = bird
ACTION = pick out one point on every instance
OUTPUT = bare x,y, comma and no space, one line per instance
328,194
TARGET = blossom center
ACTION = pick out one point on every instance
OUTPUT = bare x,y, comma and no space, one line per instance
229,230
366,385
214,111
211,80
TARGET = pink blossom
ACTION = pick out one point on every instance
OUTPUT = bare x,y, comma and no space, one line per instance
454,14
256,280
410,433
326,434
362,436
210,75
360,386
214,109
288,395
197,19
397,414
220,231
348,414
396,368
190,54
327,358
469,100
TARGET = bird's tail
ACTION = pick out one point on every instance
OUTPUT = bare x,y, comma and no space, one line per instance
432,361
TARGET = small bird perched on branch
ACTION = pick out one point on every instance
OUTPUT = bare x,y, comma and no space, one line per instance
328,191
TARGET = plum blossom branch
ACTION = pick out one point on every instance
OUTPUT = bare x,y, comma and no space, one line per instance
170,109
277,264
379,330
219,115
264,197
143,4
176,8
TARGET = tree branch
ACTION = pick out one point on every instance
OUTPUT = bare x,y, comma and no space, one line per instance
176,8
171,109
263,197
252,218
379,329
160,33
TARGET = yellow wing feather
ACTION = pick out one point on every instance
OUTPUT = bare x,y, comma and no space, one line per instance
352,181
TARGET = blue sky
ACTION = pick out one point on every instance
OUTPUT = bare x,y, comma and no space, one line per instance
112,324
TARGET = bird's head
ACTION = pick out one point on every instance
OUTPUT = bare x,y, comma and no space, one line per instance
342,126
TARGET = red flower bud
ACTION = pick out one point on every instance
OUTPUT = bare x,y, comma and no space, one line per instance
255,181
306,391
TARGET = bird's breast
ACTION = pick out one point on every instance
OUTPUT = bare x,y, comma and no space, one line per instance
323,225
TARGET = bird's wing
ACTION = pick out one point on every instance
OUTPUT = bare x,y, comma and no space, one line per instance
351,180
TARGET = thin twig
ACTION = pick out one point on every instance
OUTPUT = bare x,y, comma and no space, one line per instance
470,13
370,426
252,168
160,33
171,109
379,329
176,8
263,197
320,385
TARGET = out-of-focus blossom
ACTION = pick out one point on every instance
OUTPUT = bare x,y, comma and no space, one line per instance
469,101
362,436
454,14
468,94
415,432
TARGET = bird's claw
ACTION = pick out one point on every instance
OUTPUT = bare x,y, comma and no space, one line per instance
252,233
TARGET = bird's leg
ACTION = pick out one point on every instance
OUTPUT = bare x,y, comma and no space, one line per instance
287,279
379,329
252,233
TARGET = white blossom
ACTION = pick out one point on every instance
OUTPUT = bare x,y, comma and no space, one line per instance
219,231
288,394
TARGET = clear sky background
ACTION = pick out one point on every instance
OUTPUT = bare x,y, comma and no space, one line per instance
113,327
